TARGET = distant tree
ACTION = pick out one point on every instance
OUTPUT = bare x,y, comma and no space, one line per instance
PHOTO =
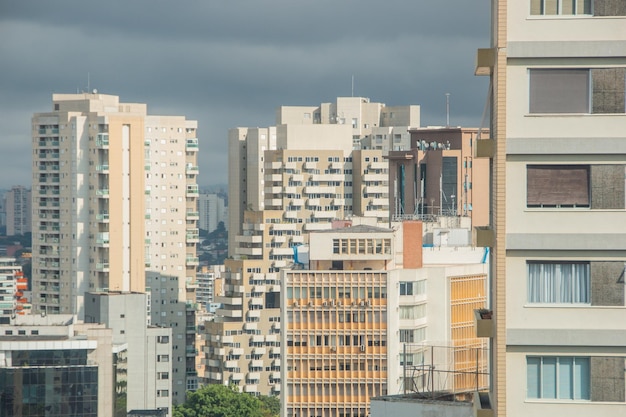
216,400
272,405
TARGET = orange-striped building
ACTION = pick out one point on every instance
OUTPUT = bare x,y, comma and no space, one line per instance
374,312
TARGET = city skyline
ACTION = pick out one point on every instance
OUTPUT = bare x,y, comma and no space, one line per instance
228,66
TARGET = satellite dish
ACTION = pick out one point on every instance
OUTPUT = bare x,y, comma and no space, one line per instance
95,91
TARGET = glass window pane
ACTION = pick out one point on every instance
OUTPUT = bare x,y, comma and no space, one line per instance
581,379
565,378
533,374
548,378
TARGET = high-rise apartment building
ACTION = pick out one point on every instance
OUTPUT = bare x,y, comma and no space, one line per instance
312,164
18,210
212,211
558,224
115,195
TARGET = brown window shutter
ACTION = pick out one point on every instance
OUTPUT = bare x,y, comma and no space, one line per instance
557,186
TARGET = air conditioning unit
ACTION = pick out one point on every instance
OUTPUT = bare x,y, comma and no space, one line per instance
333,348
362,348
354,303
325,303
310,303
334,302
362,303
339,303
368,303
295,304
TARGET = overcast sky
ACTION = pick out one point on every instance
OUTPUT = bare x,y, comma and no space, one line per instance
230,63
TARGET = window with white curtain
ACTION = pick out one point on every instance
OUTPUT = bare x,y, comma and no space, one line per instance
558,377
559,283
413,312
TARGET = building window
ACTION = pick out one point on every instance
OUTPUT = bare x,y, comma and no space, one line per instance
557,186
163,393
559,283
580,90
163,339
560,7
406,288
557,377
595,186
412,312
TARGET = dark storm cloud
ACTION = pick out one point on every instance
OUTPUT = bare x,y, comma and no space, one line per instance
231,63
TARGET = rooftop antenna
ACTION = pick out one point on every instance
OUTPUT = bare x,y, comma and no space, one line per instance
88,83
447,109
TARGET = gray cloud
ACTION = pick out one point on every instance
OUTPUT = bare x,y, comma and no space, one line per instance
231,63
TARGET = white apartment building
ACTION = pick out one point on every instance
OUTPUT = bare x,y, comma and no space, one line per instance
115,195
558,229
212,210
306,164
18,210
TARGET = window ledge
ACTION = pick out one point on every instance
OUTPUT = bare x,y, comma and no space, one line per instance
574,306
574,114
560,401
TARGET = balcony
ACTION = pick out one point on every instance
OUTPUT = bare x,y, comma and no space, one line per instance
274,190
192,261
103,192
192,236
192,215
284,226
231,301
485,61
103,216
317,226
256,301
102,140
192,191
249,251
102,239
228,313
324,214
191,169
483,322
378,165
376,189
102,267
192,145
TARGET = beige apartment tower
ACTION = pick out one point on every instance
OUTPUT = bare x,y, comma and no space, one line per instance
316,164
114,195
558,223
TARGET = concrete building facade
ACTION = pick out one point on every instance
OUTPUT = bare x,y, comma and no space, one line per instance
438,175
212,210
12,287
18,210
114,189
557,229
373,315
55,365
305,164
146,349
